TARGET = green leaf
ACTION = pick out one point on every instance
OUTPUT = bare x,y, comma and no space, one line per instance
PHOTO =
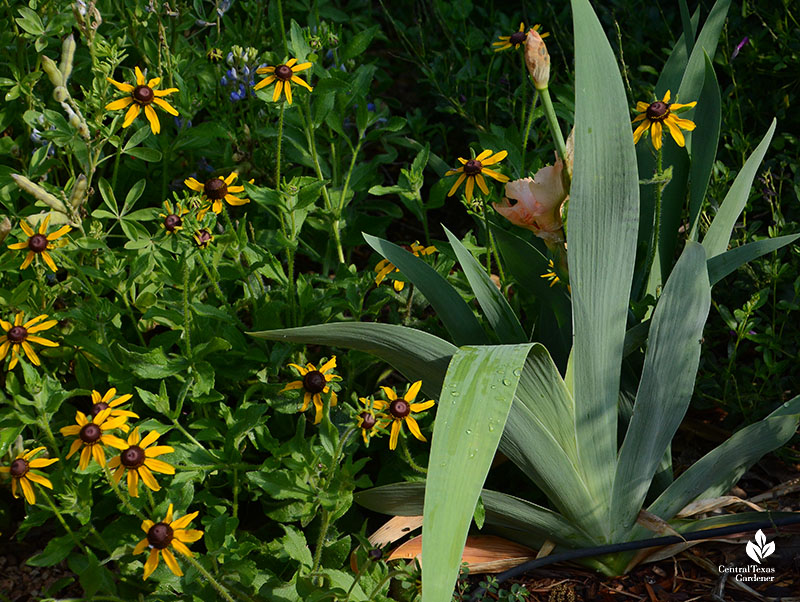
707,117
715,473
108,197
726,263
603,218
358,44
451,309
133,195
477,395
56,550
666,385
299,46
152,364
495,307
719,234
137,138
416,354
30,21
149,155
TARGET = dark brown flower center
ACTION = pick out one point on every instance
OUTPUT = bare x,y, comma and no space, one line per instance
283,72
473,167
98,407
19,467
375,554
143,95
133,457
215,189
17,334
658,111
202,238
399,408
517,38
314,381
37,243
160,535
90,433
171,222
368,421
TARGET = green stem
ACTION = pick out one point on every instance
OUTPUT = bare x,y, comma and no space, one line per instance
524,84
123,498
552,121
409,459
235,493
323,532
280,143
528,130
652,252
283,29
116,160
64,524
409,303
221,590
189,436
211,279
389,576
187,320
491,248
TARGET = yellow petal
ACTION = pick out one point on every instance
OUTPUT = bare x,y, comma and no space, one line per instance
483,155
395,434
265,82
165,105
675,131
86,456
141,546
482,184
495,174
302,82
154,82
301,67
184,521
34,359
287,88
59,233
422,406
496,158
27,490
412,392
414,428
167,92
120,85
158,450
470,188
151,564
140,81
132,113
181,547
133,483
656,133
277,93
36,478
158,466
119,104
457,184
152,117
291,62
148,478
187,535
149,439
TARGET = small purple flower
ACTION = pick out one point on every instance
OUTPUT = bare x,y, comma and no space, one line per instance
223,81
739,46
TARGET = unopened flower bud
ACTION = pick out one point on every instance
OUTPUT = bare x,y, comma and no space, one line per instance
5,228
570,147
67,57
51,69
39,193
78,194
60,94
537,59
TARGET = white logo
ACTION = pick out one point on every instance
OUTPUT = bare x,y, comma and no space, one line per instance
759,550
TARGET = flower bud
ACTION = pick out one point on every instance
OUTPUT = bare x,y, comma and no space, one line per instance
537,59
535,203
60,94
78,194
67,57
51,69
39,193
5,228
570,147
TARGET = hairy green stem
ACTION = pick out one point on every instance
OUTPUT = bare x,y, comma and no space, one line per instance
409,459
528,131
283,29
552,121
187,320
123,498
221,590
64,524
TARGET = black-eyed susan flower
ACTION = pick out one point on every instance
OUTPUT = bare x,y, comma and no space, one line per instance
103,402
142,96
203,238
139,459
22,335
22,476
92,434
399,410
38,243
173,218
283,75
369,422
661,113
162,535
314,384
551,274
214,191
385,267
516,39
473,171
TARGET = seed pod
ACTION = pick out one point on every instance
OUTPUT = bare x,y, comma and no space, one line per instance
78,195
60,94
537,59
67,57
5,228
53,72
39,193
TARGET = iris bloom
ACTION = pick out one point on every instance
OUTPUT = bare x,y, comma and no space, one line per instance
516,39
385,267
535,203
214,191
283,75
20,335
142,96
139,459
38,242
658,114
400,409
314,384
473,171
92,434
173,218
20,471
160,536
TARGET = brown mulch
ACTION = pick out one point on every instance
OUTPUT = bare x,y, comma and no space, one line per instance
22,583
